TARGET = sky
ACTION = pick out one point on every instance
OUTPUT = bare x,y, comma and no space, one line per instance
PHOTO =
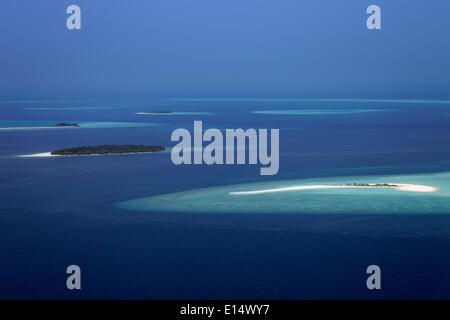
224,48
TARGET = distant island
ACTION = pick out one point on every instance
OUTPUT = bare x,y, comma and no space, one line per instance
66,124
107,149
49,126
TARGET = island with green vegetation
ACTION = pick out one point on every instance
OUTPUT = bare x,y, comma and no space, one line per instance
66,124
108,149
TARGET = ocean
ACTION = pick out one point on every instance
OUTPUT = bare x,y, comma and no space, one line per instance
188,239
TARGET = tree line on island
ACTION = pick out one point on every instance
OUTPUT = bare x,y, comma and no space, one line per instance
108,149
370,185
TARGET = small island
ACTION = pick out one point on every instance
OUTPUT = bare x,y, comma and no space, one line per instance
107,149
395,186
66,124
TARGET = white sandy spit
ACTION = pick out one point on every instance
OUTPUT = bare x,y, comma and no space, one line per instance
38,155
398,186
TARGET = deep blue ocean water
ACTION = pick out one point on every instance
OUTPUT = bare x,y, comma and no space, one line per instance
55,212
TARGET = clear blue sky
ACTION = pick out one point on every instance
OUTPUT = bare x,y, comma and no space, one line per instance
224,48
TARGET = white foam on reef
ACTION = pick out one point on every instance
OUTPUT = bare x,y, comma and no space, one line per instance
398,186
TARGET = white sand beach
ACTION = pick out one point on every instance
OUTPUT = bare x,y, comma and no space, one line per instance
38,155
396,186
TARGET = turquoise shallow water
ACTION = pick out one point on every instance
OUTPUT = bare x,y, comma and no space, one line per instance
317,111
35,125
400,101
64,209
339,201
